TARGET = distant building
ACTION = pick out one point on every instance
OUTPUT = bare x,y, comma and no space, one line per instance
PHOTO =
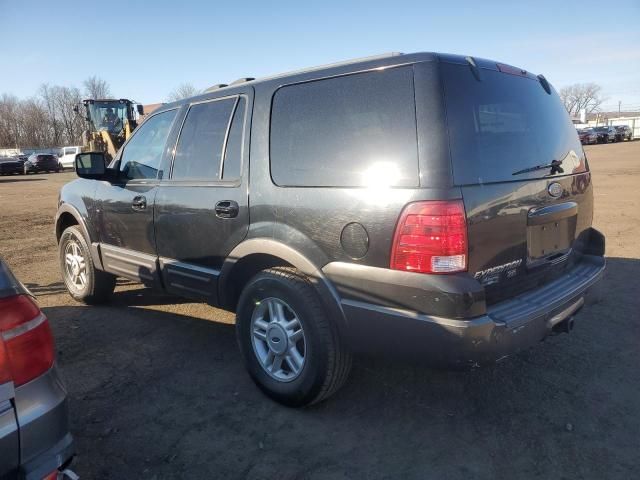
148,109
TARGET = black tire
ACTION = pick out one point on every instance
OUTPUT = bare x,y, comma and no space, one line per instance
98,285
327,360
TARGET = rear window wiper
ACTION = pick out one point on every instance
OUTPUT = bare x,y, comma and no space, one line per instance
554,166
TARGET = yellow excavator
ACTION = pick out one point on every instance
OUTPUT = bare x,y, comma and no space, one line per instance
109,123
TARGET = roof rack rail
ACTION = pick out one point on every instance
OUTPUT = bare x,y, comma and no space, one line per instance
242,80
215,87
331,65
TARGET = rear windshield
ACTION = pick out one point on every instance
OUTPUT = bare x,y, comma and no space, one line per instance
505,124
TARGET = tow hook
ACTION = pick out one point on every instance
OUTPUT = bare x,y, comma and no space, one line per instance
564,327
563,322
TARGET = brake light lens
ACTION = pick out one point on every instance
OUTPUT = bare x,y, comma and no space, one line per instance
26,343
431,237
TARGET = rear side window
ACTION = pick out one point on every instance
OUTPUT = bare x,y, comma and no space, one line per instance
352,131
505,124
202,140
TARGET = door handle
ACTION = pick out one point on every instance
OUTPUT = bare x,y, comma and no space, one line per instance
139,203
227,209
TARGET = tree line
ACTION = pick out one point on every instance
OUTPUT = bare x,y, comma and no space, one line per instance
48,118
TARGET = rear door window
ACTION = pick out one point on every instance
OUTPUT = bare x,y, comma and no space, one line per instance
505,124
352,131
202,141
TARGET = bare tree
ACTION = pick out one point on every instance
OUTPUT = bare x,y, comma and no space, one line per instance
8,121
95,87
587,96
185,90
33,119
65,99
47,94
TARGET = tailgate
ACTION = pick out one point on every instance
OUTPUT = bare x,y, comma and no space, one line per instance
520,237
523,175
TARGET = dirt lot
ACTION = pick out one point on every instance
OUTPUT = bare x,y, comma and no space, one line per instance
157,389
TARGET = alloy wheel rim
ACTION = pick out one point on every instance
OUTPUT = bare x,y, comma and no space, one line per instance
278,339
75,265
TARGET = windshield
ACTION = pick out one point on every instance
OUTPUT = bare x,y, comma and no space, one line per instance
109,116
506,123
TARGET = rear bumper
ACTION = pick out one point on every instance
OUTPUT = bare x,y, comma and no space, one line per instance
45,441
504,329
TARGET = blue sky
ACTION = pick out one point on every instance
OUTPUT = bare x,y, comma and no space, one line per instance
145,49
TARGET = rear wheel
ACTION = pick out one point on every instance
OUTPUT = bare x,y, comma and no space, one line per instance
292,350
84,282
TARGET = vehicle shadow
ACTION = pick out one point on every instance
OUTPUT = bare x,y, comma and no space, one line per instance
144,296
147,386
19,179
38,290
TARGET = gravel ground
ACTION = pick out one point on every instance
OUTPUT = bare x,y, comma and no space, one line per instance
157,389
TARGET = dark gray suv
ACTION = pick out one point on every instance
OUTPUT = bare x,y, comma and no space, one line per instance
433,205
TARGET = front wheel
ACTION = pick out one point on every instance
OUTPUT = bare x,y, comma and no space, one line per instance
292,350
84,282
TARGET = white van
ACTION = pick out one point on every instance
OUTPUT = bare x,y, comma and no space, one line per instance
68,156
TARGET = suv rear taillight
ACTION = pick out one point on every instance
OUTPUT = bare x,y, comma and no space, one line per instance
431,237
26,343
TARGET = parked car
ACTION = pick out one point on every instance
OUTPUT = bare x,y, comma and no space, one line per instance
605,134
42,162
68,157
404,203
11,165
623,132
35,442
587,136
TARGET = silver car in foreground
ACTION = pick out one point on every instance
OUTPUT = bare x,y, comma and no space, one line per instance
35,442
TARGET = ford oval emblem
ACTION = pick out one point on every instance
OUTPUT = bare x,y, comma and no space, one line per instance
555,190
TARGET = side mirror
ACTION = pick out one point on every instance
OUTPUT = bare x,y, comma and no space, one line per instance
76,109
140,109
92,165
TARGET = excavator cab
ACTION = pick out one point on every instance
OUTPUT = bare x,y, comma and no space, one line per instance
109,124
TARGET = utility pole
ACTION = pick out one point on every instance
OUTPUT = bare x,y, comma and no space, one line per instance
619,104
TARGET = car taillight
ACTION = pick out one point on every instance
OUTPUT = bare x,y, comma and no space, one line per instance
431,237
26,342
